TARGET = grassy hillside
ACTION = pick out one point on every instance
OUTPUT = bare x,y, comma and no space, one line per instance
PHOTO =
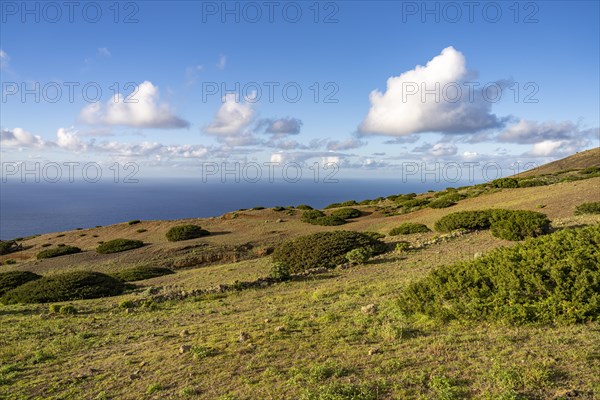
584,159
339,334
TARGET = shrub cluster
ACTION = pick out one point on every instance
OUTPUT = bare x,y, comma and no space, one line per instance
474,220
185,232
505,183
505,224
588,208
519,224
63,287
442,202
58,251
323,249
12,279
359,256
8,246
346,213
408,228
118,245
550,279
317,217
141,273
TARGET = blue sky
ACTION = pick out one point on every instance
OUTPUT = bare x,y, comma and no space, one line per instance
171,53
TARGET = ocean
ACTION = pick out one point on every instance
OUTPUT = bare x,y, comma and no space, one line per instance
36,208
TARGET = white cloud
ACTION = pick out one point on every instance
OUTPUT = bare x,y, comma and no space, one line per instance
18,137
527,132
345,145
4,59
142,110
104,52
222,61
68,139
440,149
192,74
397,113
232,117
281,126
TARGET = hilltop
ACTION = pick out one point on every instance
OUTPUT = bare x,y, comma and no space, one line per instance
205,332
585,159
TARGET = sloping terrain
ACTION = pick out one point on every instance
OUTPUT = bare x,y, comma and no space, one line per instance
335,335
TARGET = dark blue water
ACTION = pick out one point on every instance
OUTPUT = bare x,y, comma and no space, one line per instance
32,208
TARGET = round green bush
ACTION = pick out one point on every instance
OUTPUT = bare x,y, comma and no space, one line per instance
57,252
408,228
518,225
9,246
317,217
442,202
549,279
64,287
12,279
309,215
323,249
358,256
505,183
304,207
118,245
346,213
588,208
141,273
474,220
280,271
185,232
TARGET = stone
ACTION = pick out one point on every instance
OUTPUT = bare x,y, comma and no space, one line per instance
243,337
369,309
184,348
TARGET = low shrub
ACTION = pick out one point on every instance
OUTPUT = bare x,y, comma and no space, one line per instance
142,230
309,215
134,222
588,208
473,220
10,261
323,249
118,245
518,225
549,279
402,246
12,279
278,208
346,213
64,287
141,273
505,183
328,220
9,246
442,202
408,228
280,271
67,309
304,207
532,182
257,208
185,232
359,256
505,224
57,252
332,205
46,244
317,217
